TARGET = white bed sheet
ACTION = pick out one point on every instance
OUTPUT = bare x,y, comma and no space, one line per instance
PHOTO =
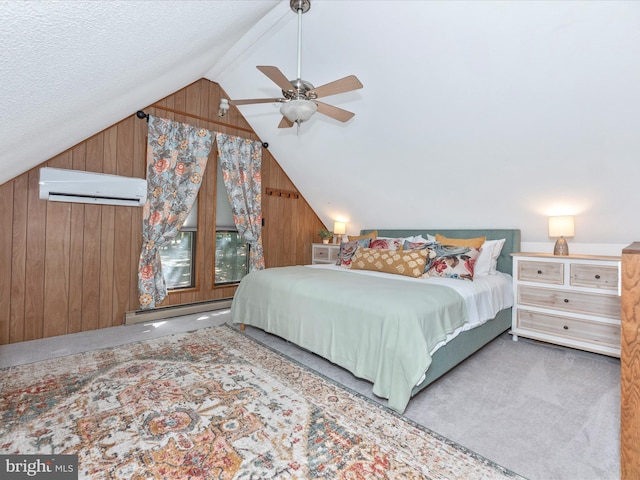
484,297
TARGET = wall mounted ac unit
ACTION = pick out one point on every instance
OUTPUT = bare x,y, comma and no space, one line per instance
61,185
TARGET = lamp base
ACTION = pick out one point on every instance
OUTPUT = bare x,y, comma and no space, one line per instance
561,247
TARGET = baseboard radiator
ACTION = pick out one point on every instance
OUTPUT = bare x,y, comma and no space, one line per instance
161,313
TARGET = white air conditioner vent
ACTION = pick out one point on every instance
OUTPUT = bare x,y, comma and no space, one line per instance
61,185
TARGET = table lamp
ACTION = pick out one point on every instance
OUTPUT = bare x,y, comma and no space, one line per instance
561,227
339,229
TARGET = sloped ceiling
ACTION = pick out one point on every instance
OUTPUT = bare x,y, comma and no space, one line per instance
473,114
69,69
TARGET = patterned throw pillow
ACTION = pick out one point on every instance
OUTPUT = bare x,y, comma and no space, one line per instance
459,264
410,263
431,247
387,243
347,250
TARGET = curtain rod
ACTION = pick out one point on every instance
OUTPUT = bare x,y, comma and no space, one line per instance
140,114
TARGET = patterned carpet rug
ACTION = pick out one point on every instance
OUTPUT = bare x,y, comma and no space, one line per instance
214,404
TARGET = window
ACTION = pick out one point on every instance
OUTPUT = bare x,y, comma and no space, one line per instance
232,253
177,261
178,256
232,257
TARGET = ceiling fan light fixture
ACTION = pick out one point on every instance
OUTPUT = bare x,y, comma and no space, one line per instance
298,111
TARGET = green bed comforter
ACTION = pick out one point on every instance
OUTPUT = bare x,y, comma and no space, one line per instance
380,329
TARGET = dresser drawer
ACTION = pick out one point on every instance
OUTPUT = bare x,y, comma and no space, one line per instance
325,253
546,272
603,334
579,302
596,276
321,253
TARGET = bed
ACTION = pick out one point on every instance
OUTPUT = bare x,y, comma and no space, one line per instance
382,327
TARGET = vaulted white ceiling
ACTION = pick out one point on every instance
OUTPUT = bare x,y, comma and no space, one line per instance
69,69
473,114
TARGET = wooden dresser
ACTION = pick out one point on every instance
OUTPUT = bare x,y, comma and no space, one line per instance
568,300
630,365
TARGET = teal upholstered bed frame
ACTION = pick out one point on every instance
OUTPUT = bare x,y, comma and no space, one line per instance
469,342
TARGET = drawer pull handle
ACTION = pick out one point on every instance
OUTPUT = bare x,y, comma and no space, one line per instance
597,277
539,272
566,300
565,327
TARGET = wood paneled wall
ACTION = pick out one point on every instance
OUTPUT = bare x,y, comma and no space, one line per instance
67,268
630,364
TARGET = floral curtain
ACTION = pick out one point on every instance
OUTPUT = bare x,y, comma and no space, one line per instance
176,160
241,162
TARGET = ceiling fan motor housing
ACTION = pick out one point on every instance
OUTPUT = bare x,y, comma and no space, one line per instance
302,89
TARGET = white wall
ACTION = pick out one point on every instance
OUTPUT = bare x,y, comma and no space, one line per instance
473,114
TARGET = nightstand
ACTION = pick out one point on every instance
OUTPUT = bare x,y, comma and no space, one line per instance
325,252
571,300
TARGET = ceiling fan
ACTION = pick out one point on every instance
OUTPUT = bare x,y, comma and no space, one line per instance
299,97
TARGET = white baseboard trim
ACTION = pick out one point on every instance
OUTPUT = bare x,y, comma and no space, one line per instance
139,316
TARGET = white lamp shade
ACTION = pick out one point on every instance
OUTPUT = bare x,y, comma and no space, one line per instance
298,110
561,226
339,228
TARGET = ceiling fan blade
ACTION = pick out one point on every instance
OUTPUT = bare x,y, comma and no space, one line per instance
334,112
285,123
276,77
345,84
255,100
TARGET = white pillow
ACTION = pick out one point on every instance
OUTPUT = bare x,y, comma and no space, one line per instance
487,262
416,239
497,250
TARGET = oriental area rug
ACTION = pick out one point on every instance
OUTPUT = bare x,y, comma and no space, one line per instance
214,404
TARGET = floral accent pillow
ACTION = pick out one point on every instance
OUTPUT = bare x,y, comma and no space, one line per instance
387,243
348,249
399,262
423,245
455,265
